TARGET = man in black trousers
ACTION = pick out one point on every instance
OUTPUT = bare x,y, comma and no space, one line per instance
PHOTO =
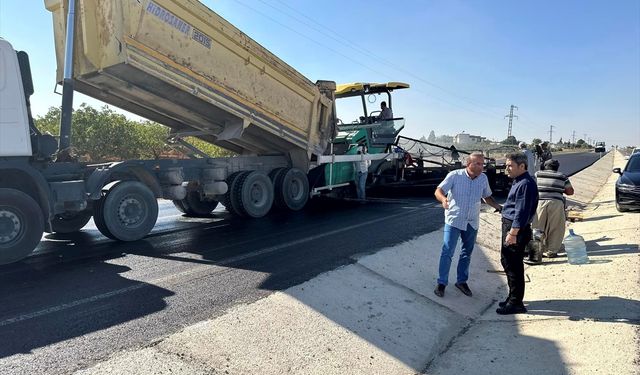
517,214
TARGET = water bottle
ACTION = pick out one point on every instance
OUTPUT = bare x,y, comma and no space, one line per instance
576,248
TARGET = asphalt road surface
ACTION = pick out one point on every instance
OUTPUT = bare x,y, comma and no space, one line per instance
82,297
572,163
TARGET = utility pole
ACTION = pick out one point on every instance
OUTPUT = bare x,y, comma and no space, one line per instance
551,133
573,138
511,116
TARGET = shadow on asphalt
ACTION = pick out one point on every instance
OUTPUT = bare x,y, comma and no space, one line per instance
69,303
74,288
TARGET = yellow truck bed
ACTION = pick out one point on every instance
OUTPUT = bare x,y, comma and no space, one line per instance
180,64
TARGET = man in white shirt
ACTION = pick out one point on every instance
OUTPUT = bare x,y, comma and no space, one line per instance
461,194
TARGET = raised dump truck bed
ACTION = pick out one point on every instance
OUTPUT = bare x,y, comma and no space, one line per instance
180,64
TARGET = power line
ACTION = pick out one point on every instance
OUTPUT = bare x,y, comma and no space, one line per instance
524,119
370,54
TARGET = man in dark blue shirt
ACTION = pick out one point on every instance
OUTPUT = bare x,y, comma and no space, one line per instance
517,214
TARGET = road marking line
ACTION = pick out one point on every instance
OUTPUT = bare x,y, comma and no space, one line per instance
239,258
69,305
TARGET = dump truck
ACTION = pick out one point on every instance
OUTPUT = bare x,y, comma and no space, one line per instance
179,64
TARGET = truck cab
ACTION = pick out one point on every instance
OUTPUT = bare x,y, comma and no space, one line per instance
18,135
600,147
15,139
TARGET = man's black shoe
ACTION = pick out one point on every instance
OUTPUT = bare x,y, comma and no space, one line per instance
464,288
503,303
439,291
509,309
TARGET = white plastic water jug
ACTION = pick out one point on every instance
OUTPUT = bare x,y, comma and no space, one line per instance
576,248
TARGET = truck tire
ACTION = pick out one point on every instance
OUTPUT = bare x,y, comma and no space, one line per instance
127,212
274,174
193,206
178,204
21,225
291,189
252,195
226,198
98,217
70,222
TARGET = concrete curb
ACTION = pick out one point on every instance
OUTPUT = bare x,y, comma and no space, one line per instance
598,171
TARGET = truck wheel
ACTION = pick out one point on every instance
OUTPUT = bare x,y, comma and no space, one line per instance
127,212
291,189
274,174
253,194
98,216
179,206
193,206
21,225
70,222
227,199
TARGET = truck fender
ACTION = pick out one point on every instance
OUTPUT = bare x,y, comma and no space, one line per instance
104,175
20,175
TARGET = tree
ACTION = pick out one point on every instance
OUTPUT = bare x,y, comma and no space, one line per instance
510,140
432,137
151,139
103,135
536,141
208,148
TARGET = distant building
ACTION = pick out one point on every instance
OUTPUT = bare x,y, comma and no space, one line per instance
464,138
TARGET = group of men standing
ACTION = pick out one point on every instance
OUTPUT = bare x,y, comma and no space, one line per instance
528,203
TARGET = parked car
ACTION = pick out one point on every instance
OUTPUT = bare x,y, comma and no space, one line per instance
635,151
628,185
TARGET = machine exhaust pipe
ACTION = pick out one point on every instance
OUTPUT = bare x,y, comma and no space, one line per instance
67,84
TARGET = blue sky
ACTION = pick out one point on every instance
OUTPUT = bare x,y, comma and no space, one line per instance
571,64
